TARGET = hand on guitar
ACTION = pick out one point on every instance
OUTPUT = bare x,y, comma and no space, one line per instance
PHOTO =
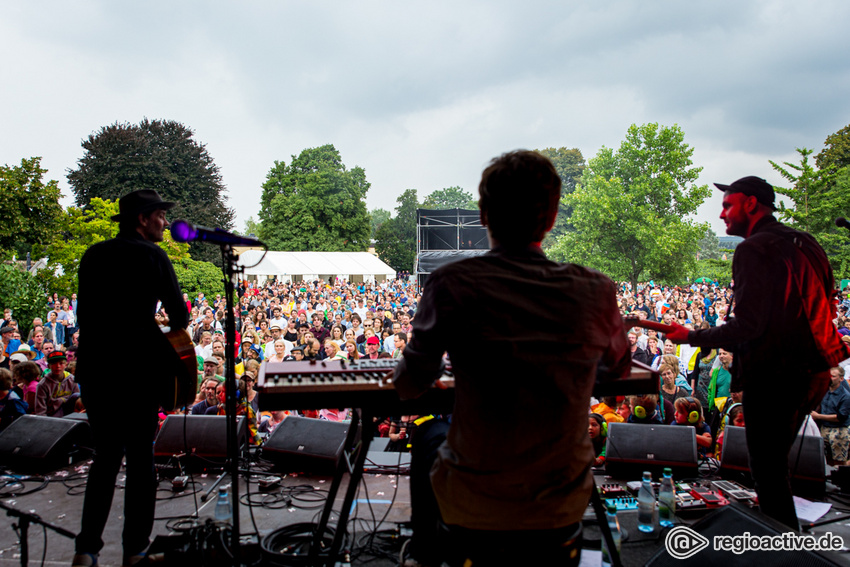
679,334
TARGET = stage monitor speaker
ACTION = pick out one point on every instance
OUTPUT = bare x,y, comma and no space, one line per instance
632,448
303,444
39,444
204,436
805,461
737,520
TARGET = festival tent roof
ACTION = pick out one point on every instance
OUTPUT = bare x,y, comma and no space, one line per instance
286,264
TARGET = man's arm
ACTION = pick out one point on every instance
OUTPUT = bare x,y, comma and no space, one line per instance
616,361
756,279
422,359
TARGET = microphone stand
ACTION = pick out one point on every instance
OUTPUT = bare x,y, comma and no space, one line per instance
230,269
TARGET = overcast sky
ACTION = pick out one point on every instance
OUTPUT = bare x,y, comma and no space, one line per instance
423,94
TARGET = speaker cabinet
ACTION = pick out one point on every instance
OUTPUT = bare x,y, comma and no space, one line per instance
39,444
302,444
806,462
203,436
632,448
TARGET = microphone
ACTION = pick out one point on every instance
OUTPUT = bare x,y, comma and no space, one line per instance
841,221
183,231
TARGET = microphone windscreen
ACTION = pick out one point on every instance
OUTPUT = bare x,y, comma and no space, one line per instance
182,231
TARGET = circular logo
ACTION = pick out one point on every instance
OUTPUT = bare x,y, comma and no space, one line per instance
683,542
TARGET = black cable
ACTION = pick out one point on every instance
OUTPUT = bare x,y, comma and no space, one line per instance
13,482
44,551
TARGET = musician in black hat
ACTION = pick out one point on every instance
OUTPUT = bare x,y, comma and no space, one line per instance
134,264
782,334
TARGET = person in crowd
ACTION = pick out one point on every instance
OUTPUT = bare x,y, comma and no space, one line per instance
57,393
351,351
644,409
27,375
598,431
399,342
721,378
279,351
735,416
834,419
669,390
209,401
9,344
689,413
11,405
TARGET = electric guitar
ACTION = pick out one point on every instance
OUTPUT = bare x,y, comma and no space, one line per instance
186,372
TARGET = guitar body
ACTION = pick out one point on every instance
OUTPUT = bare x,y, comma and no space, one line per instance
186,372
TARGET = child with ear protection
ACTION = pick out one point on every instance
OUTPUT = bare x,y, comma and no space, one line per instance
689,413
598,430
735,416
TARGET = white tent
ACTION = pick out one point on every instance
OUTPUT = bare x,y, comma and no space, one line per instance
297,266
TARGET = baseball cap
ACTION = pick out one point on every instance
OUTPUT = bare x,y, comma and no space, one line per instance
752,185
373,341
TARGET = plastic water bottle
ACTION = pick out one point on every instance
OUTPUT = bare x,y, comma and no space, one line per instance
666,500
646,505
614,525
223,512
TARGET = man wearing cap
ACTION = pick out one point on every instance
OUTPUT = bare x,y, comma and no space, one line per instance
57,392
782,334
134,263
10,345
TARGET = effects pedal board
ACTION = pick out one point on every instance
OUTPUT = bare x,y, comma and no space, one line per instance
612,490
623,503
711,498
733,490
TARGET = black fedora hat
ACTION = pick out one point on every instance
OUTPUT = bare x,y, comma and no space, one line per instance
139,201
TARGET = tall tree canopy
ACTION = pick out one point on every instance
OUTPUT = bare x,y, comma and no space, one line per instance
631,209
818,197
30,207
378,217
450,198
161,155
709,246
316,204
395,241
836,151
73,233
570,164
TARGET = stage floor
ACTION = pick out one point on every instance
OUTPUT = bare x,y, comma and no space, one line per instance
383,500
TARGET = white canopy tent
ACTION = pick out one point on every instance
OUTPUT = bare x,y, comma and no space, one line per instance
298,266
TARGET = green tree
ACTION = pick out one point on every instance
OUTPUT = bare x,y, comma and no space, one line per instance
378,217
450,198
709,246
395,241
715,268
836,151
76,230
570,164
818,197
30,207
251,227
631,209
161,155
315,203
197,276
23,294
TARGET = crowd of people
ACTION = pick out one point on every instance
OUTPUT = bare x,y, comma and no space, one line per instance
317,320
